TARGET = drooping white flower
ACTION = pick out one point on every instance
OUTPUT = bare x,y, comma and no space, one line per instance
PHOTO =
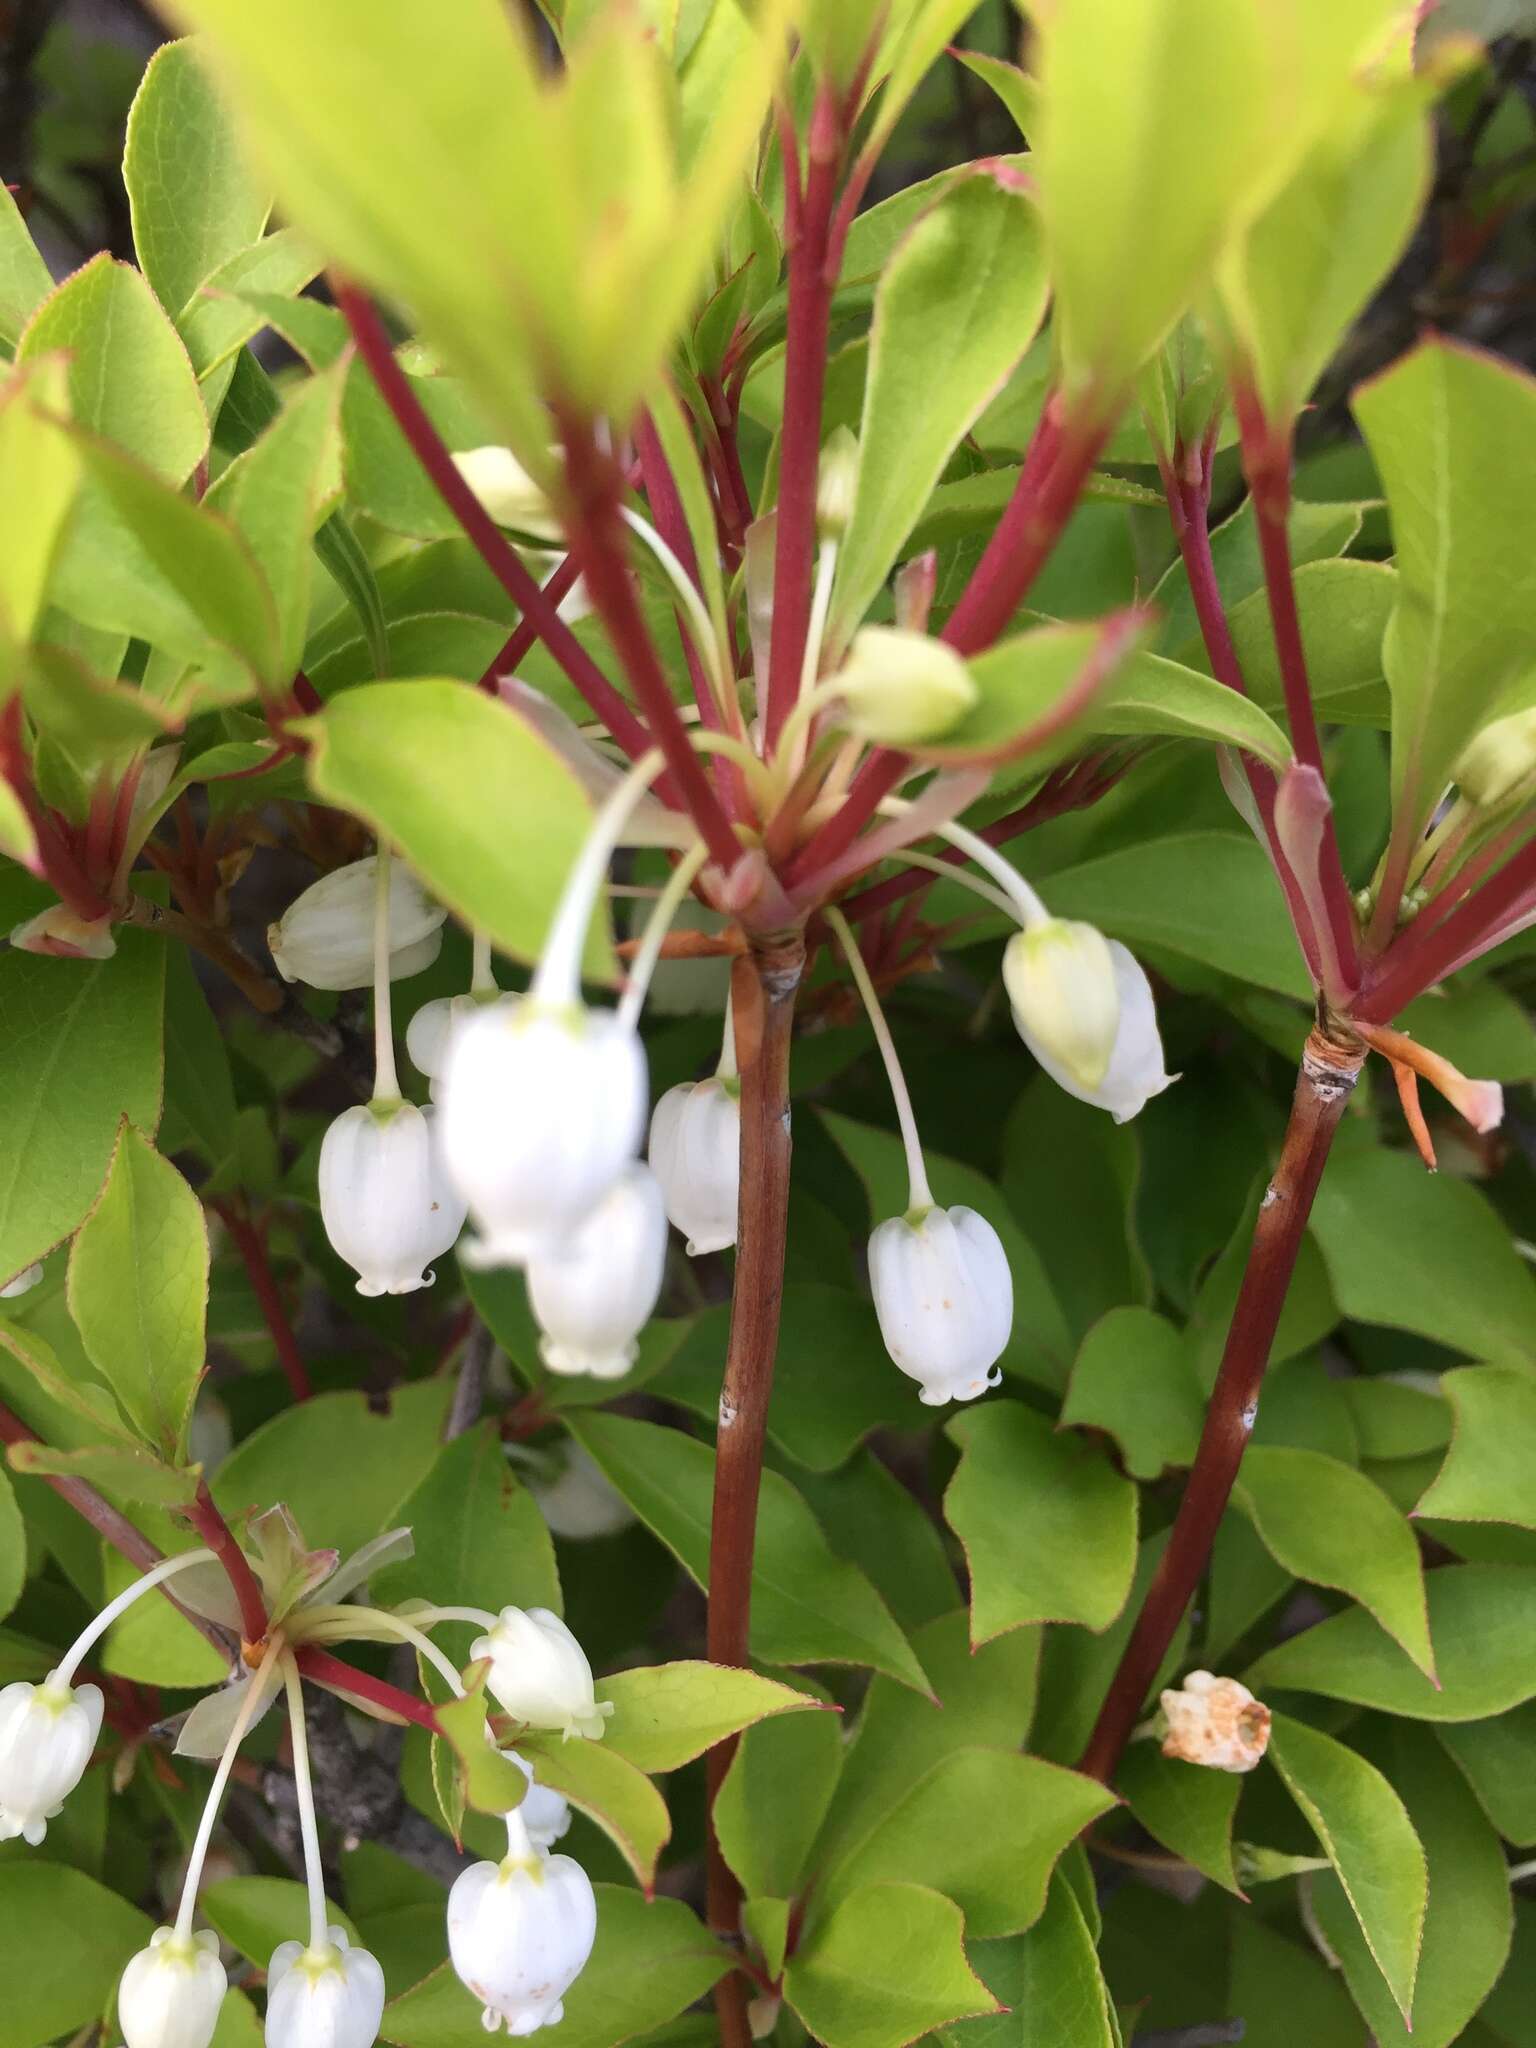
47,1733
1216,1722
542,1109
944,1296
24,1282
695,1153
432,1027
388,1206
1060,978
326,936
520,1932
594,1293
330,1997
540,1674
507,491
1134,1071
171,1992
545,1813
900,688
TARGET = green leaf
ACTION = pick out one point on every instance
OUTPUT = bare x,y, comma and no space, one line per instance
1452,431
1048,1525
276,494
1487,1474
191,197
1015,88
1188,1808
1482,1622
818,1418
95,721
1468,1925
984,1826
83,1399
80,1047
1368,1838
1039,1349
1329,1524
13,1547
199,1087
1394,1420
1210,896
39,472
429,764
1498,1760
623,1801
1132,1379
1050,1983
138,1289
128,1474
651,1959
1316,532
25,280
665,1715
255,1914
1036,694
236,302
886,1965
130,379
480,1540
1162,698
871,1518
808,1606
765,1837
966,288
1424,1252
766,1922
1344,607
1285,1993
298,1455
490,1782
63,1940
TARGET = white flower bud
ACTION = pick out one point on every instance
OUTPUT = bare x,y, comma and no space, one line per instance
332,1997
540,1674
573,1493
47,1733
594,1293
695,1153
546,1814
519,1934
944,1296
430,1030
1065,1009
171,1992
58,932
902,688
1060,978
386,1202
24,1282
1216,1722
836,480
542,1110
507,491
325,936
1502,756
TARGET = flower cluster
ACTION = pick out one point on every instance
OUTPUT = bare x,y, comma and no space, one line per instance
519,1932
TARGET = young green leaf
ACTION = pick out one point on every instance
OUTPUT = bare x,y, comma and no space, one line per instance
25,280
886,1965
491,1782
1488,1471
480,1541
766,1838
597,1780
1188,1808
126,1473
1049,1980
1370,1841
664,1715
1132,1378
39,474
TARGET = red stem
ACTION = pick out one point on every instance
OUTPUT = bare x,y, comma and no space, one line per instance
525,633
1416,961
666,505
597,540
325,1669
878,775
250,1240
499,556
805,375
216,1533
1323,1088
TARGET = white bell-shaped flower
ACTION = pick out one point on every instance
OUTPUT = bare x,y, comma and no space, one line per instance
432,1027
388,1206
944,1296
573,1493
47,1733
1060,978
595,1293
540,1674
1071,1049
325,937
695,1152
519,1934
542,1107
24,1282
331,1997
171,1992
545,1813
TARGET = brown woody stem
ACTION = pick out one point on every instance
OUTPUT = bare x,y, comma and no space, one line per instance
764,986
1323,1086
